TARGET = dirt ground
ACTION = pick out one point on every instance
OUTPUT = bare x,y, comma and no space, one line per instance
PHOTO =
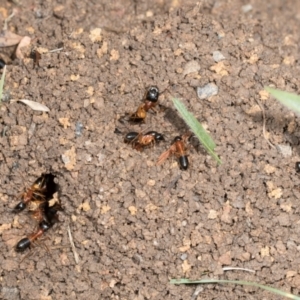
136,225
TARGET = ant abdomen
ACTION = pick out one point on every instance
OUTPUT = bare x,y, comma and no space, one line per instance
23,244
183,162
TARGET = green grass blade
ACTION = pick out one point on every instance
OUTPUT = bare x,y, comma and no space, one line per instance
268,288
291,101
197,129
2,83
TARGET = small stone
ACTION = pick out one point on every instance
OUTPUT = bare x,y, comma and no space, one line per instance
206,91
291,274
246,8
85,206
183,256
218,56
186,267
285,150
114,54
105,209
212,214
191,67
69,158
78,129
132,210
225,259
95,35
269,169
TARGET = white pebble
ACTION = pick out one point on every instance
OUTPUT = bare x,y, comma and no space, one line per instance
218,56
207,91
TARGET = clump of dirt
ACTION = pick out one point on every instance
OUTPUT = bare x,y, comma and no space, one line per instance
136,225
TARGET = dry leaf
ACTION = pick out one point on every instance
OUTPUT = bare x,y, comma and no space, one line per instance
35,105
25,42
8,38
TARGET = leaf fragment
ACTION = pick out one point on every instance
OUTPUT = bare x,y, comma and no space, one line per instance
35,105
290,100
8,38
25,42
197,129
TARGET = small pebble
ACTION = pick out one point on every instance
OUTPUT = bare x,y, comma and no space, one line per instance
65,159
207,91
218,56
78,129
285,150
246,8
6,96
10,293
183,256
191,67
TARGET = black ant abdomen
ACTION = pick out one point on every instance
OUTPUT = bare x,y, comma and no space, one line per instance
152,94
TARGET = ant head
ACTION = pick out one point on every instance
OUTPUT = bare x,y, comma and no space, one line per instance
152,94
40,182
156,135
19,207
177,138
44,226
159,137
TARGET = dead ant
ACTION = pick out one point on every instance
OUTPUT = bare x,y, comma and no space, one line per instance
150,101
40,191
48,220
179,149
139,140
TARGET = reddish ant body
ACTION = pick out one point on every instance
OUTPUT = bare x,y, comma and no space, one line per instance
25,243
41,190
150,101
48,220
140,141
179,149
35,192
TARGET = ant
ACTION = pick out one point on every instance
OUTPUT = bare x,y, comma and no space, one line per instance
139,140
297,166
41,190
36,56
49,219
179,149
150,101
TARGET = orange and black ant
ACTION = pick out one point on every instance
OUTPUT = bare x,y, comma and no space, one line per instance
49,218
139,141
179,149
36,191
150,101
41,190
